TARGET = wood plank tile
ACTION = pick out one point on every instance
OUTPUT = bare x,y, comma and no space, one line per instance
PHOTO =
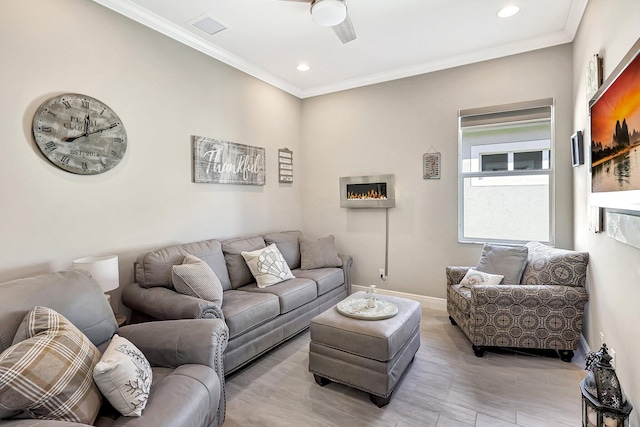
447,385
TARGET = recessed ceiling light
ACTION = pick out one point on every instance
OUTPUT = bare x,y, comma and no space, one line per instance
508,11
303,67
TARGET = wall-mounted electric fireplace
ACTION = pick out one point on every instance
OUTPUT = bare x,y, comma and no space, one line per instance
374,191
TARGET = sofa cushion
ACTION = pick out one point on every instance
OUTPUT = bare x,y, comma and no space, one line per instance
552,266
326,278
508,261
154,268
244,311
194,277
474,277
49,375
318,253
377,340
288,244
124,377
239,272
291,293
267,266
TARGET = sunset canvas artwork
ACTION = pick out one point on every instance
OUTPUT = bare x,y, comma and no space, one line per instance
615,133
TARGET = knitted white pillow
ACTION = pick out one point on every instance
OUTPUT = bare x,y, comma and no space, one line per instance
195,278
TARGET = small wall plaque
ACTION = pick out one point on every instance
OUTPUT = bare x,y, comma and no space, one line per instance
431,165
285,165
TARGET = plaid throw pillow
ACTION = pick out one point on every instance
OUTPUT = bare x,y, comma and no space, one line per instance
48,376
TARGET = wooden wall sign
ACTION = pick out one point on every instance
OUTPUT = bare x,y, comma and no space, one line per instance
222,162
285,165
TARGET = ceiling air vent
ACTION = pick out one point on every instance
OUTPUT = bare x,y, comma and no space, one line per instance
207,24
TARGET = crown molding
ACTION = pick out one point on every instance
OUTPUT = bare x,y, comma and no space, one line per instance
550,40
169,29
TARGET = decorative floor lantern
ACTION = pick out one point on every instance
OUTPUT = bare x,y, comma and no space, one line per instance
603,401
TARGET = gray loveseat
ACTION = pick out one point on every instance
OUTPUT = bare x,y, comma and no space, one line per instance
258,318
187,386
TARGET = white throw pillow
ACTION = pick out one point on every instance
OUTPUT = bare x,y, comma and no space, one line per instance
124,376
267,265
195,278
475,277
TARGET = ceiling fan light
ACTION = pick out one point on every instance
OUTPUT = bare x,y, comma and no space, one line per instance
328,12
508,11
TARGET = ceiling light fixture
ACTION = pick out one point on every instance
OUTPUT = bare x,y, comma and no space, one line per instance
508,11
303,67
328,12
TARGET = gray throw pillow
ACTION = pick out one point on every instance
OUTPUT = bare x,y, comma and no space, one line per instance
508,261
195,278
318,253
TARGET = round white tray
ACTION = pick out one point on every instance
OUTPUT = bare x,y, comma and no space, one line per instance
357,308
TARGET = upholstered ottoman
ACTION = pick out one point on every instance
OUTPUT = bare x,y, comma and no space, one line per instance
370,355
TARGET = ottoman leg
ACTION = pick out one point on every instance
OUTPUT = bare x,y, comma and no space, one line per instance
321,380
380,401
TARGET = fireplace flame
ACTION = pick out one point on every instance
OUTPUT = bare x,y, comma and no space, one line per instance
368,195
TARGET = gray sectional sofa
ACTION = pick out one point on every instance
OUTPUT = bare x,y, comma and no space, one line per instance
258,318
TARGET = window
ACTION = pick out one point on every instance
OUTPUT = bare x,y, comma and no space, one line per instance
505,179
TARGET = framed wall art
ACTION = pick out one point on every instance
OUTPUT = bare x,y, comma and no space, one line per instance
593,76
223,162
285,166
577,149
615,137
431,164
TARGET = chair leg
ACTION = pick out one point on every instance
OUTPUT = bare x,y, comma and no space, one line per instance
321,380
566,355
453,322
478,350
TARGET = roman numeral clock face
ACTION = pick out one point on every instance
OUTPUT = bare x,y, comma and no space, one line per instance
79,134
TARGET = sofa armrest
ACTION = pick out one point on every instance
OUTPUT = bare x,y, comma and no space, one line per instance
166,304
178,342
506,296
347,261
455,274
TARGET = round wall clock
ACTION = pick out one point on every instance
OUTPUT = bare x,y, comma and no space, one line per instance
79,134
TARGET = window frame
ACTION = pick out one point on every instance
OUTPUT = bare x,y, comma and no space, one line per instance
495,116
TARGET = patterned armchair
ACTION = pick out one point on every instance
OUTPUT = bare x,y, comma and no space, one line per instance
545,311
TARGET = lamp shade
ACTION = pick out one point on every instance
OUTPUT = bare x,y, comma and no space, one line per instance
328,12
104,269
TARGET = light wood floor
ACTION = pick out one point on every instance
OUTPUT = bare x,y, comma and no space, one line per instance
445,386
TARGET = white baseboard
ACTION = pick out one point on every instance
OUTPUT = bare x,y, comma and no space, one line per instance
427,302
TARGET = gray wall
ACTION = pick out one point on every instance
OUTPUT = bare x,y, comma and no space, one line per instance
608,29
163,92
386,128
